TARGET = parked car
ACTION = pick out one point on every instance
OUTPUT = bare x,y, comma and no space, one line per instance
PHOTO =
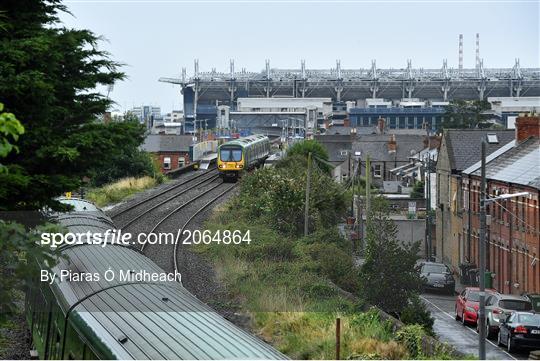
535,300
499,307
467,303
520,329
437,276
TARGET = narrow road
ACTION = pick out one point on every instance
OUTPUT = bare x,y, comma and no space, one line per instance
464,339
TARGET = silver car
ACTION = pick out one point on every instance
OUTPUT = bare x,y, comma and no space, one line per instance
499,307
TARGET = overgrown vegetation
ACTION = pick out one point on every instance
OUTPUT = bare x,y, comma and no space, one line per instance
294,287
120,190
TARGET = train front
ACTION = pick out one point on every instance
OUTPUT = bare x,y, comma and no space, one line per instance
231,161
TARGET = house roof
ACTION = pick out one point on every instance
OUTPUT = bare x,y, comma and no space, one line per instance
155,143
519,164
376,145
336,145
464,145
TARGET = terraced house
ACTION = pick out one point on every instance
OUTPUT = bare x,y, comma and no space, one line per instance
513,235
460,148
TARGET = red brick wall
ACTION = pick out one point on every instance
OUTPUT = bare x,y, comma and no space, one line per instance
175,156
527,127
513,237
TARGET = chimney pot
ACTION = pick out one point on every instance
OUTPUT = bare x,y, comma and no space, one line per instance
392,144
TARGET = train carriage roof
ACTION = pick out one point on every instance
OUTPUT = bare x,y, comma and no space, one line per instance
141,319
246,141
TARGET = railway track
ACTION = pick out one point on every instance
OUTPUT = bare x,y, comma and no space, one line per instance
176,220
193,182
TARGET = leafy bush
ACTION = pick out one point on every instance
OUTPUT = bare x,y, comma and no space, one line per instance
335,264
416,313
412,337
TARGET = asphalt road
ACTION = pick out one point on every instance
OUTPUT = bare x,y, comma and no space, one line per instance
463,338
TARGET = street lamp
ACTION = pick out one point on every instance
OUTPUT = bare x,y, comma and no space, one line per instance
484,201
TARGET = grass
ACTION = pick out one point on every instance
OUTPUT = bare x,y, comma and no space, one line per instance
291,303
120,190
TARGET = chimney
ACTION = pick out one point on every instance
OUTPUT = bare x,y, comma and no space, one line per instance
426,141
392,144
380,125
527,126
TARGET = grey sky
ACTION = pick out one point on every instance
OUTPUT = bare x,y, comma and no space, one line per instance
158,38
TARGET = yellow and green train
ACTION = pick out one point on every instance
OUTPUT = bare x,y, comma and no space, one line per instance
242,154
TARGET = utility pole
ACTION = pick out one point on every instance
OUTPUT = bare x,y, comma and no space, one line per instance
428,200
306,214
482,249
368,188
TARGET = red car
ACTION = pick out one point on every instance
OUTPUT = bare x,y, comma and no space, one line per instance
467,304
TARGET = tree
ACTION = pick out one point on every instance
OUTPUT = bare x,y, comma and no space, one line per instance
466,114
10,130
418,190
318,151
17,245
389,278
277,195
49,74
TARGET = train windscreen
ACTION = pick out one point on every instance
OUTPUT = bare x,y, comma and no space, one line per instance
228,154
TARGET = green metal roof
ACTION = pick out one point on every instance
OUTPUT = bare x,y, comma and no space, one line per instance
130,319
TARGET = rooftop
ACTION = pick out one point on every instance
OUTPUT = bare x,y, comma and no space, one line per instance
155,143
464,145
518,164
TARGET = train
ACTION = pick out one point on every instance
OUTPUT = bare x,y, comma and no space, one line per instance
237,156
89,314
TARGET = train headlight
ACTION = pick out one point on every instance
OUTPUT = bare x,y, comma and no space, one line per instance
239,166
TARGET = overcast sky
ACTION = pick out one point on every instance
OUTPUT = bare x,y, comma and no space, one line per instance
158,38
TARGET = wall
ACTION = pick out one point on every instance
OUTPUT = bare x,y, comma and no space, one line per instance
174,159
442,213
513,242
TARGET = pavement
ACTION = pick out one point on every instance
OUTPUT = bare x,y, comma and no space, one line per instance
463,338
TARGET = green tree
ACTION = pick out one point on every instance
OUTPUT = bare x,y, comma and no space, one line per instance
466,114
17,245
418,190
277,195
10,130
318,151
389,278
49,74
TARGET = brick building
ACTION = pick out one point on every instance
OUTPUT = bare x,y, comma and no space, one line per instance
460,148
513,236
170,151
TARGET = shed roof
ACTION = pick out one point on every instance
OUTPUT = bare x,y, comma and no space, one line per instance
155,143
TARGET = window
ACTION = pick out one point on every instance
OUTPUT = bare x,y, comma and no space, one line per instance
492,139
228,154
377,171
181,162
167,163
